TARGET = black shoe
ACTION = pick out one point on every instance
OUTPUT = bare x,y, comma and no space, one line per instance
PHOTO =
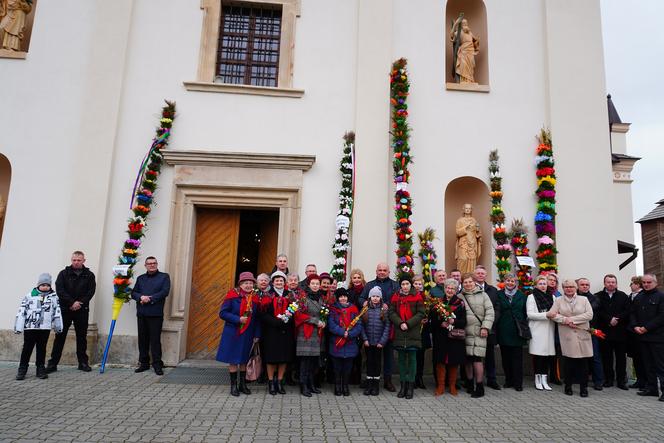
368,386
41,373
345,388
271,388
555,381
20,375
493,385
598,388
388,385
304,390
81,367
313,388
636,385
608,384
661,398
51,368
479,391
141,369
281,387
518,388
648,393
568,390
234,391
243,383
623,386
410,387
419,383
402,390
583,392
337,386
508,385
470,387
375,387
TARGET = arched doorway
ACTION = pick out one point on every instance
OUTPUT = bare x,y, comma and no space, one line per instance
5,179
460,191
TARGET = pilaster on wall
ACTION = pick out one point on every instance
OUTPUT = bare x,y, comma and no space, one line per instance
370,238
580,132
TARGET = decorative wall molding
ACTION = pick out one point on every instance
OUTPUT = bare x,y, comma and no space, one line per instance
239,159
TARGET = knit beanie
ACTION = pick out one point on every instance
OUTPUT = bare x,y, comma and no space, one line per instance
44,279
376,291
340,293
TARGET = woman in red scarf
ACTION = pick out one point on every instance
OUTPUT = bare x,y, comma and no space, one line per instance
239,311
309,332
406,314
343,340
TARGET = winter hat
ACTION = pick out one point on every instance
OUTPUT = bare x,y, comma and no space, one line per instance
340,292
326,275
44,279
406,278
276,274
244,276
376,291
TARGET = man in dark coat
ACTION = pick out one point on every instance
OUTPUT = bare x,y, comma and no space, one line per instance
388,287
490,360
75,287
647,321
150,292
310,269
596,368
612,319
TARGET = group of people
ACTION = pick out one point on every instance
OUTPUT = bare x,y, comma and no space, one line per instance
44,309
309,330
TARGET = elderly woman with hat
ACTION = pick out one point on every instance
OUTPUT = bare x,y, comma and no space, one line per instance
239,310
277,333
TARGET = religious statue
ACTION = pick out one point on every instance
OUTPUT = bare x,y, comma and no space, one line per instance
12,21
465,46
469,241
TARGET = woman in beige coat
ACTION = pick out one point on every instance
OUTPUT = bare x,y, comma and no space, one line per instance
574,313
479,319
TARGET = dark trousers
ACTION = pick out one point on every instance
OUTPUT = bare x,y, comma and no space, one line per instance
420,363
653,361
608,348
639,367
388,359
374,357
490,362
308,366
149,340
512,357
576,371
342,366
541,363
80,320
596,365
32,338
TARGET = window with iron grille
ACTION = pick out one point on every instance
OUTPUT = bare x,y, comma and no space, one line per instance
249,38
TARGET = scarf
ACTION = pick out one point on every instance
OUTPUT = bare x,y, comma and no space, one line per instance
246,306
280,304
543,300
354,293
346,315
403,302
510,293
302,316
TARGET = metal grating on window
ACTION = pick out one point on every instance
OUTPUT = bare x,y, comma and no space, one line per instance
249,45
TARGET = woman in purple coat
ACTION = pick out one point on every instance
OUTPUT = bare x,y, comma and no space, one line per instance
242,329
343,340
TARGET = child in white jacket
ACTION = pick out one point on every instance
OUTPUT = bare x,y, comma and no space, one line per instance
38,314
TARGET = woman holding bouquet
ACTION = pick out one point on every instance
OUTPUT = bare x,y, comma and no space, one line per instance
240,311
309,332
447,315
278,333
344,327
406,313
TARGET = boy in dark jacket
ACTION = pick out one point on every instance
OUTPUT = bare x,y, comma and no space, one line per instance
375,334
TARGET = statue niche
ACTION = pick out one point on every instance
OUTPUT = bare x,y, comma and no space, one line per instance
466,48
16,18
469,241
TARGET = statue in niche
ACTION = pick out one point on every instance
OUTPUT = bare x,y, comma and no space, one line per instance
469,241
13,15
465,46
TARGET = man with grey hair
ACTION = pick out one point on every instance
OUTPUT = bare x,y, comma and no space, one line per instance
281,264
597,371
647,321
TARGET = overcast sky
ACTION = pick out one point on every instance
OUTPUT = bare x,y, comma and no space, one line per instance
634,60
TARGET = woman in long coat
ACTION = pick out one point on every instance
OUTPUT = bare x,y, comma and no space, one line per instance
542,345
343,346
448,352
242,329
512,310
479,319
574,313
309,332
277,334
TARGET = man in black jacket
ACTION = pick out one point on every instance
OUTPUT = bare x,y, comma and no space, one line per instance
490,360
612,319
596,368
75,287
150,292
647,321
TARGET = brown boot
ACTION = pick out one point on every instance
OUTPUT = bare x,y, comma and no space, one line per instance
440,379
452,372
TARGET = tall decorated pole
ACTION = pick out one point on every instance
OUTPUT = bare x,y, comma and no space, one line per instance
503,249
427,257
345,213
403,204
142,198
519,240
545,218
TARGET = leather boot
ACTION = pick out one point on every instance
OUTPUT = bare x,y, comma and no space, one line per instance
272,387
345,389
304,389
470,388
337,385
312,386
538,382
243,383
280,386
20,375
545,383
375,389
402,391
41,372
419,382
388,384
440,379
452,373
410,386
479,391
368,386
234,390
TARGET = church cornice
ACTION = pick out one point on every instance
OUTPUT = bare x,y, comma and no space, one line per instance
238,159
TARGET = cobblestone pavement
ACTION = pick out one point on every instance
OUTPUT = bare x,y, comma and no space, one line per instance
123,406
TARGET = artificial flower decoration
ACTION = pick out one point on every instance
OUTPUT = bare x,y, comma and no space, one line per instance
502,249
342,237
545,218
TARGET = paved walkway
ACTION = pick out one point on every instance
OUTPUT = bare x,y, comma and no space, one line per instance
123,406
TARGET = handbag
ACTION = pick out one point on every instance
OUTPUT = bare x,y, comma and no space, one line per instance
522,327
255,363
457,334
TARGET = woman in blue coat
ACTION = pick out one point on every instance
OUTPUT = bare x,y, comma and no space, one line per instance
242,329
343,340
